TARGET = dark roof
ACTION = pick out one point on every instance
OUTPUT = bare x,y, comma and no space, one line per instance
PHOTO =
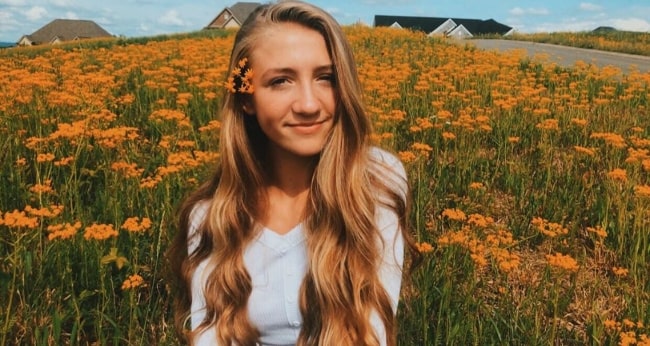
242,10
67,29
428,24
601,29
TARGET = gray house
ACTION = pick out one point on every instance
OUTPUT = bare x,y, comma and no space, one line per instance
449,27
61,30
234,16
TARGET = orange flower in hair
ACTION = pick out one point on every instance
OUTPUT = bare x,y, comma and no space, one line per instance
240,80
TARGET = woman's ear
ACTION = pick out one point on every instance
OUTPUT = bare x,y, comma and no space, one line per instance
248,107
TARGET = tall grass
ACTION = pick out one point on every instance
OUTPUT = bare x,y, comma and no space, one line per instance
530,188
609,40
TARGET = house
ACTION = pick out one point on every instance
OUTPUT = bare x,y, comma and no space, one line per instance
449,27
233,17
61,30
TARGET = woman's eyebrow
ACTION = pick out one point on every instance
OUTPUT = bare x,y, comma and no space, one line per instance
291,71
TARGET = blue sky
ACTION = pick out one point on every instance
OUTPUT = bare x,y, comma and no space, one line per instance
151,17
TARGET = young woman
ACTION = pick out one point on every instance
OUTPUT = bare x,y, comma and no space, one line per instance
298,238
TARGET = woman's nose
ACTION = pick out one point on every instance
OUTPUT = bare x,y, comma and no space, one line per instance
306,102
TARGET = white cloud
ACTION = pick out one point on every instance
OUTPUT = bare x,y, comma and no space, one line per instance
6,20
386,2
104,21
587,6
70,15
333,11
518,11
630,24
35,13
13,2
62,3
171,17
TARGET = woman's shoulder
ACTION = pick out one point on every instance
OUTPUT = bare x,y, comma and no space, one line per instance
387,159
197,216
389,168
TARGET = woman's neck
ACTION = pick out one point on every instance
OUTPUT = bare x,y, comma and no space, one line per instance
290,173
287,192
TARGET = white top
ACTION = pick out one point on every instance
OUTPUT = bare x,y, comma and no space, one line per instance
277,265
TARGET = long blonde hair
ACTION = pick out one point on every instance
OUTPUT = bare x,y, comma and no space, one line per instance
341,288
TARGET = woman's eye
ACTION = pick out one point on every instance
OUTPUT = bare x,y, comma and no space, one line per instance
278,81
327,78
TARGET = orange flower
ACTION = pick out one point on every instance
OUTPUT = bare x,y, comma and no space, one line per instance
550,229
21,161
618,271
548,124
583,150
42,188
133,281
424,247
642,191
134,225
50,212
561,261
454,214
407,156
618,174
564,262
63,231
476,186
44,157
19,219
99,232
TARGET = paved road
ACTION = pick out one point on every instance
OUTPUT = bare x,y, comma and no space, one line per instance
567,56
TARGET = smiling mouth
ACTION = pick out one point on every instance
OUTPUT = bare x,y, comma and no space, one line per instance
308,128
308,125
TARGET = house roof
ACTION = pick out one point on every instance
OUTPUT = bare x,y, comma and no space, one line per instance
67,29
428,24
242,10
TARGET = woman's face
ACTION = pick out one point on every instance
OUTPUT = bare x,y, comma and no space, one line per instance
294,98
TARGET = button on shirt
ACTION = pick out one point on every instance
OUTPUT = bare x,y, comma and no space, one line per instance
277,265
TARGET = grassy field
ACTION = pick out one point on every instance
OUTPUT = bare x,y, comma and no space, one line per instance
530,188
614,41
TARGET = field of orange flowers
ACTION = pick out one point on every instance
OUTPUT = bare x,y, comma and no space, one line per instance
530,188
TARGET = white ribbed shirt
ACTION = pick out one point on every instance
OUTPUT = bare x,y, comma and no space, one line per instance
277,265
